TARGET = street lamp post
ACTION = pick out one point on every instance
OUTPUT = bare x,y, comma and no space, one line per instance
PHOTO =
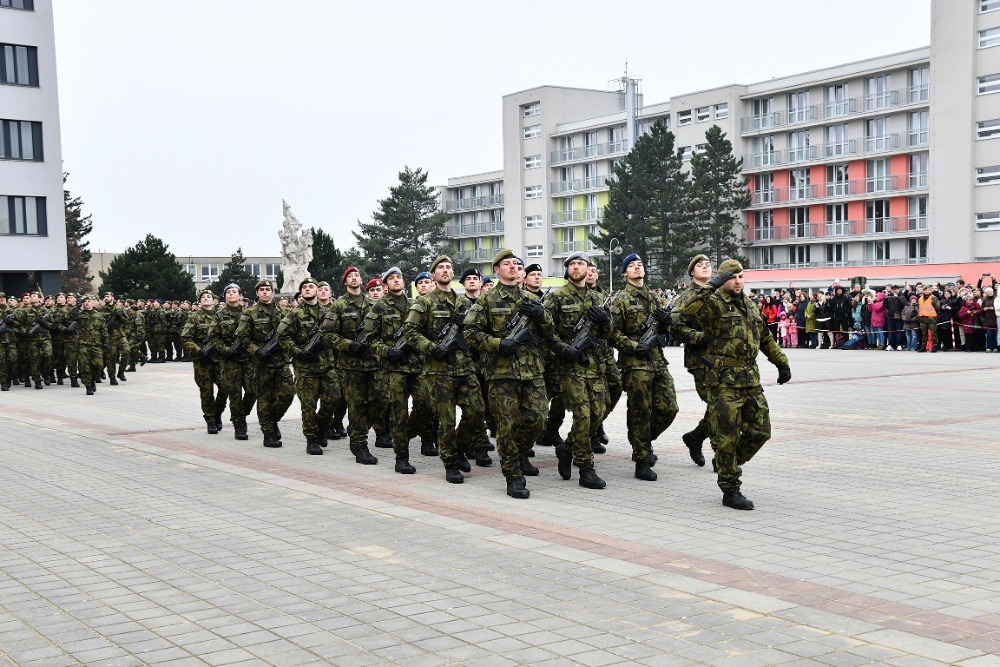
611,263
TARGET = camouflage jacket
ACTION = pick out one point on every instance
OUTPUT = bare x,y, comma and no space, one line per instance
631,309
154,320
342,323
224,332
686,326
257,323
735,331
28,316
91,328
384,325
197,332
8,318
488,323
427,318
566,306
294,333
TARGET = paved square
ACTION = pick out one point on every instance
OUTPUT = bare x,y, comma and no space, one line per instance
129,536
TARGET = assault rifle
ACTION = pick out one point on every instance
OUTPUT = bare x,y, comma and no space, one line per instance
4,329
41,324
236,349
583,337
270,345
401,344
451,338
207,347
316,343
650,330
517,328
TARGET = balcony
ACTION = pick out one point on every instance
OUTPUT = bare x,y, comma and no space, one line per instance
876,185
567,247
477,255
477,229
780,157
830,265
864,104
578,185
582,153
577,216
473,203
840,230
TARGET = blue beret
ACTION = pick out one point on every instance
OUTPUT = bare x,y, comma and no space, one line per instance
422,275
631,257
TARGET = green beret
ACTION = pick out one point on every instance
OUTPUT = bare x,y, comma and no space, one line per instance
323,283
731,266
306,282
263,282
442,258
695,260
502,255
204,292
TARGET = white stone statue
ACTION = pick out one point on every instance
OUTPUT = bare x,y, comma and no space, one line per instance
296,250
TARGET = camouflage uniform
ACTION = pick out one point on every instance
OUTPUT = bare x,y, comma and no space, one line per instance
734,331
38,346
384,324
582,385
138,338
237,374
685,326
207,372
652,401
451,382
342,323
612,374
71,340
154,331
117,343
92,332
516,383
316,383
8,345
274,386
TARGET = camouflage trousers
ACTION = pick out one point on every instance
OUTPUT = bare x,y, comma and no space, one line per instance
275,391
652,407
447,392
207,375
71,349
739,425
318,392
58,354
426,425
557,409
520,412
90,360
39,358
8,362
113,354
365,405
586,399
613,378
405,423
701,430
238,384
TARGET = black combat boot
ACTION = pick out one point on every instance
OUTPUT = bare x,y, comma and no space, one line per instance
321,435
551,438
91,389
104,375
531,453
121,375
565,461
516,488
340,429
313,448
212,427
113,381
403,467
130,369
277,431
38,384
652,458
602,435
483,458
589,478
74,383
527,468
453,475
693,440
463,463
59,379
47,379
428,448
272,440
240,431
736,500
218,421
365,457
644,472
596,446
331,432
5,386
383,440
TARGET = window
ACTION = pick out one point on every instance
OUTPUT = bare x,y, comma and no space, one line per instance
837,184
798,107
798,255
878,137
878,252
988,5
684,118
685,152
879,175
271,271
18,65
532,221
532,131
533,162
590,144
189,269
496,220
919,163
763,188
763,227
592,210
533,192
701,114
798,184
798,223
988,176
988,129
836,220
618,143
763,258
762,117
23,216
919,121
879,92
18,4
919,84
533,251
763,151
984,221
20,140
878,221
591,178
916,251
798,146
989,84
836,140
700,148
533,109
253,270
917,220
722,111
836,254
209,272
837,101
988,38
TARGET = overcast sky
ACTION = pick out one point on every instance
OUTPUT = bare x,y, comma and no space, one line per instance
191,120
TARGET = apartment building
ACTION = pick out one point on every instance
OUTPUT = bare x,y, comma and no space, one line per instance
32,219
881,167
204,269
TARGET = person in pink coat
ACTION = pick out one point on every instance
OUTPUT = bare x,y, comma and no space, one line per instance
877,309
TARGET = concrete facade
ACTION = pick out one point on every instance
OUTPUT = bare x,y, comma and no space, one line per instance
32,218
204,269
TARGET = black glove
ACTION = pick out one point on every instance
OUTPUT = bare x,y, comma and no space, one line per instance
642,350
459,318
571,354
531,309
662,315
355,349
303,355
599,316
9,320
263,354
439,352
720,280
71,327
395,355
784,374
508,348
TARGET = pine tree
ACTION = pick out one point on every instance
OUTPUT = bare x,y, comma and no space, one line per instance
76,277
235,273
147,270
407,229
327,262
718,193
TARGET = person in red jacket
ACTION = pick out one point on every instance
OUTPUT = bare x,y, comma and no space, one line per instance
877,310
967,314
770,310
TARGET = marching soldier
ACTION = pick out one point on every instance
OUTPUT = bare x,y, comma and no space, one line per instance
33,323
639,317
71,338
424,284
92,332
612,374
8,344
236,375
197,340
